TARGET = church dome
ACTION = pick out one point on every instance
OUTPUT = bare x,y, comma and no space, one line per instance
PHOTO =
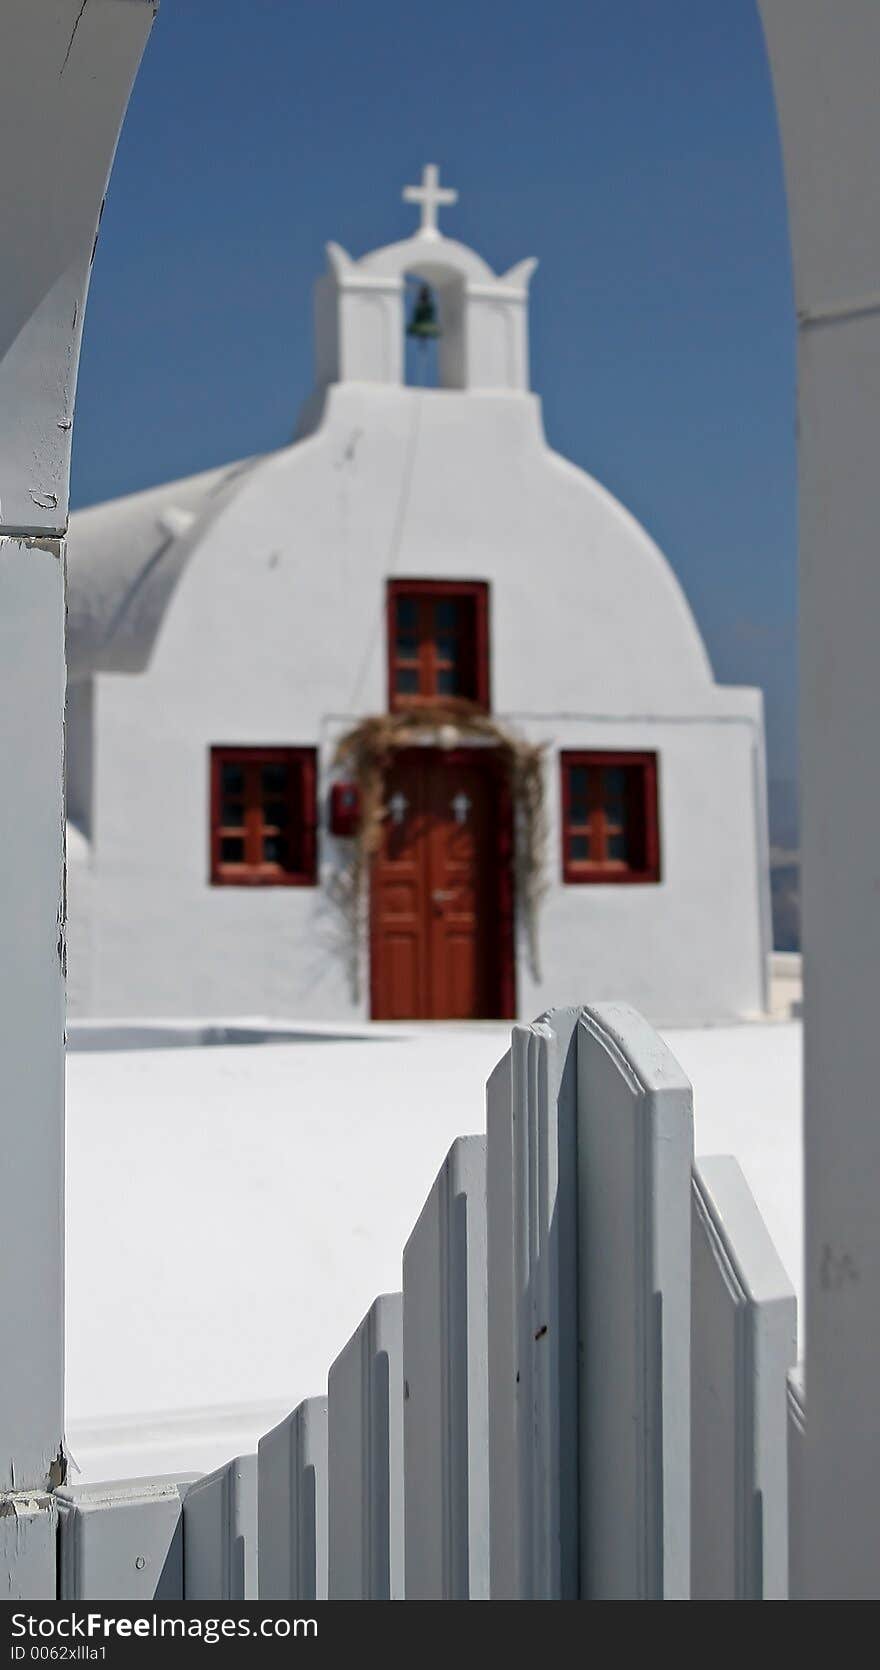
124,559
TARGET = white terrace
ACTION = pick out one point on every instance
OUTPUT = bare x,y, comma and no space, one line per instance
175,1359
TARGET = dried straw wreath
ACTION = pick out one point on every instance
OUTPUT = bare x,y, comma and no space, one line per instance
365,753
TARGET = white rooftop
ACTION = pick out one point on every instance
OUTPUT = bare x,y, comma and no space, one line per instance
233,1210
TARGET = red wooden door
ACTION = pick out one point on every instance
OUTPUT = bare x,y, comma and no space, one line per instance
440,897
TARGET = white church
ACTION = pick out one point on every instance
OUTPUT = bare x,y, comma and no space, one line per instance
410,720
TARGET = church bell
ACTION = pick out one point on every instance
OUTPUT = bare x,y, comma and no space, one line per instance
424,323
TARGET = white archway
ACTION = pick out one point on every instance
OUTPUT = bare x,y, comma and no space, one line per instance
824,60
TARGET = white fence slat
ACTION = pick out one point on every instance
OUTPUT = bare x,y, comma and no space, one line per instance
635,1152
531,1196
121,1541
743,1342
365,1459
220,1533
503,1493
293,1505
797,1430
446,1395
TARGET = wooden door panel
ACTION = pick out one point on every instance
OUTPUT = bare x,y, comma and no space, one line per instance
459,897
402,934
436,932
400,957
457,991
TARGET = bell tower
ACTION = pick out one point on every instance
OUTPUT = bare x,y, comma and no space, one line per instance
480,318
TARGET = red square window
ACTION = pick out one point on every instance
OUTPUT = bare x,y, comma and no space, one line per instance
609,818
438,642
263,817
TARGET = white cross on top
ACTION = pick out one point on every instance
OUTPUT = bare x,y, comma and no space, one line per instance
430,194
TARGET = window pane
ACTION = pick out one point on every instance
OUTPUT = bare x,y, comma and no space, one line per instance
275,811
232,849
407,614
232,813
406,681
617,848
578,795
446,617
614,786
580,847
447,649
233,778
406,647
274,779
447,681
273,849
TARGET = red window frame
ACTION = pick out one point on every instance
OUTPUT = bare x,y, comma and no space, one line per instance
300,801
473,637
641,819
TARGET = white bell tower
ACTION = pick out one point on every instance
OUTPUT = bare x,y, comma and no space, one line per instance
360,308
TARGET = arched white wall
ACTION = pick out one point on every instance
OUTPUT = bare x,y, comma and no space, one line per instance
824,59
65,76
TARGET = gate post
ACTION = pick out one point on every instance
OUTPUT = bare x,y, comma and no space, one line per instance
824,60
66,72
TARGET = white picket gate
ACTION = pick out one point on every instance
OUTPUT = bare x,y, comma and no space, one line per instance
583,1390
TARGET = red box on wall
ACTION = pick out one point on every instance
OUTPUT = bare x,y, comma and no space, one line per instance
345,808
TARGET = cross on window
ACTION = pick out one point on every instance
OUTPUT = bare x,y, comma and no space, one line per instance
398,806
263,817
430,195
609,817
438,642
461,805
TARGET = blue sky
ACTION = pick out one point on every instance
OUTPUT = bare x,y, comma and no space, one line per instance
630,144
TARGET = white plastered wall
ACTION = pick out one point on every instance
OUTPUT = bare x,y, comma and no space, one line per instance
276,634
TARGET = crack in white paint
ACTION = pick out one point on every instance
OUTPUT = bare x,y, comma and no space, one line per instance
79,17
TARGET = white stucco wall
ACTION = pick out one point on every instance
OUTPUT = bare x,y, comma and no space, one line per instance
824,60
276,633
